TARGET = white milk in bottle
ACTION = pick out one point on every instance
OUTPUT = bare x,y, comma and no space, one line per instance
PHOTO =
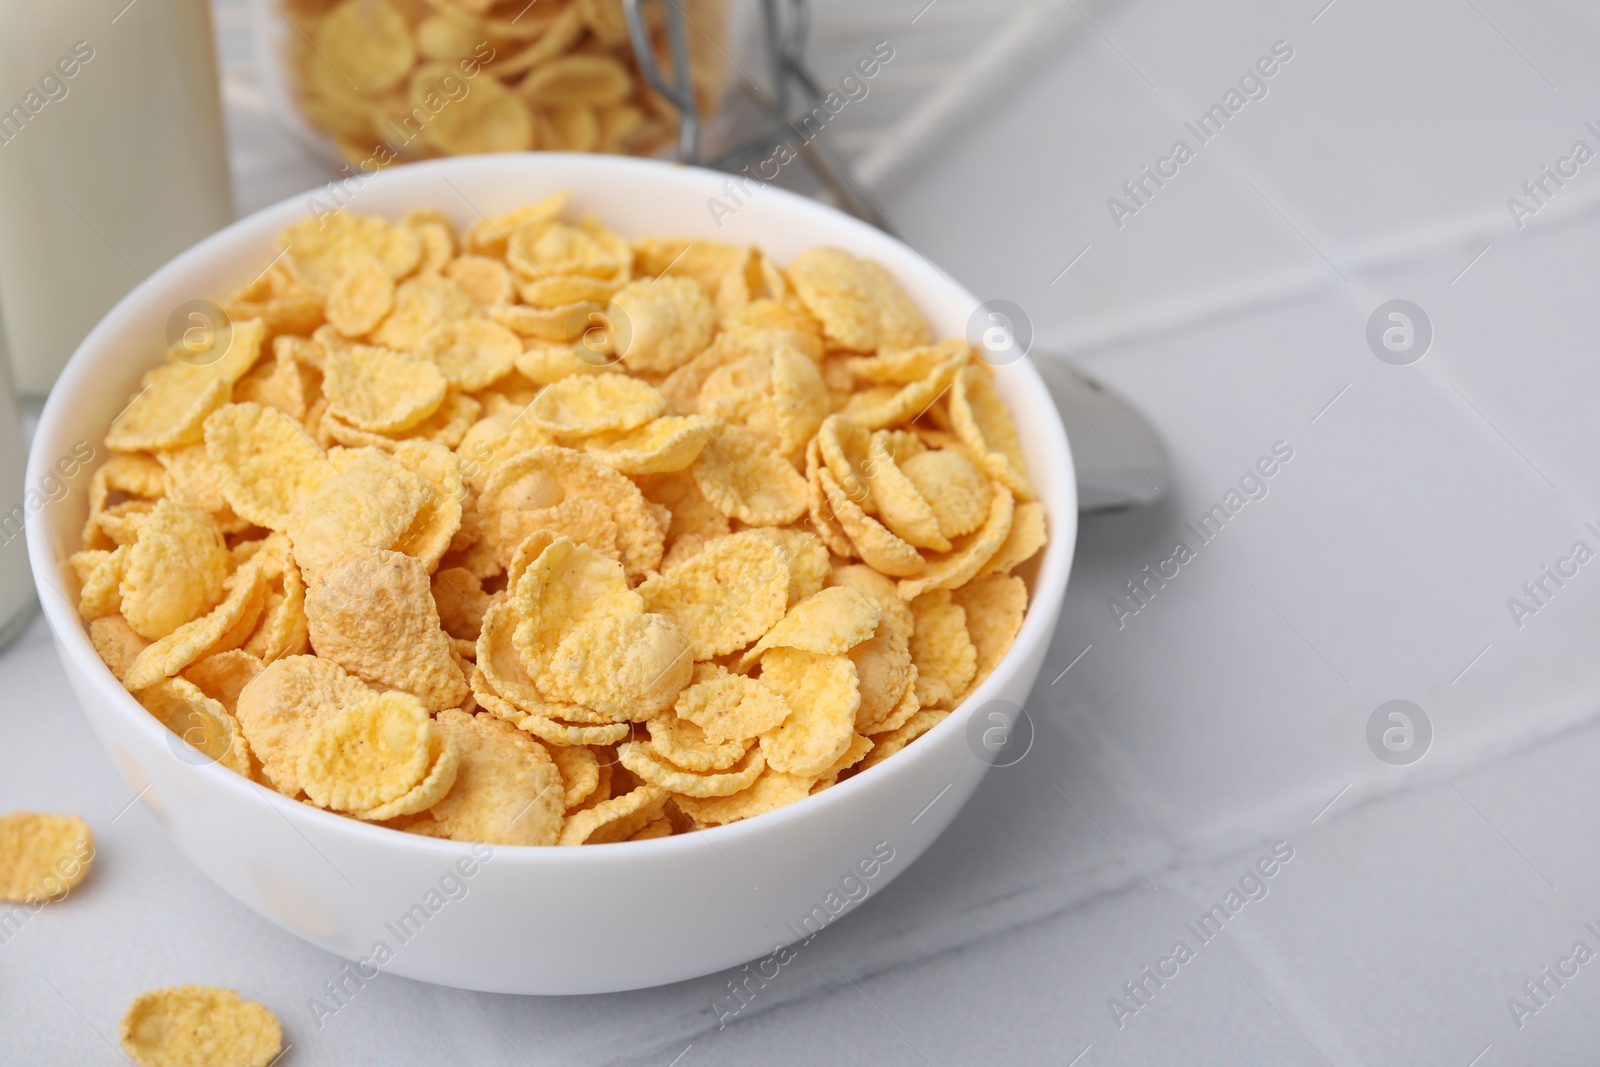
112,160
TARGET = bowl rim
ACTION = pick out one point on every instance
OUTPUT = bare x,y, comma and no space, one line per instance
71,633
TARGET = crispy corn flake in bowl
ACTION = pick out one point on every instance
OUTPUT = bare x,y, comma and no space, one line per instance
488,522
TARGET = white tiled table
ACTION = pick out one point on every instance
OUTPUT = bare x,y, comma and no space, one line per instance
1230,712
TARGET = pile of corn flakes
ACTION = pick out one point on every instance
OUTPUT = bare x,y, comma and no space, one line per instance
409,79
531,534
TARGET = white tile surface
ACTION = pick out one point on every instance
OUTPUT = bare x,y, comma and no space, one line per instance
1228,712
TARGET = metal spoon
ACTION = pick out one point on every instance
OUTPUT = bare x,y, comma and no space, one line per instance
1120,459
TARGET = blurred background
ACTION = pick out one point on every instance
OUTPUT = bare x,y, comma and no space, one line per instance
1338,157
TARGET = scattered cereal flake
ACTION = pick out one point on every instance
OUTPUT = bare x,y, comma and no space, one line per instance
42,856
624,666
488,119
371,611
642,759
970,553
381,390
859,304
663,445
995,605
730,593
507,790
860,745
905,365
661,826
941,649
981,420
225,626
200,1026
745,479
361,295
473,353
823,694
616,819
730,707
578,79
588,404
830,623
264,462
661,323
174,571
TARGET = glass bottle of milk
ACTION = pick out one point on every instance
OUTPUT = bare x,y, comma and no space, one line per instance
16,582
112,160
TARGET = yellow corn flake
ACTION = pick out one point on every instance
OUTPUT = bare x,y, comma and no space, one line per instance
202,722
953,489
370,501
371,611
941,649
192,480
806,557
662,323
493,440
729,594
616,819
567,586
449,424
830,623
871,540
859,747
823,694
901,506
580,772
661,446
485,280
559,489
488,236
660,827
421,305
582,405
544,364
115,643
171,409
226,626
561,732
625,666
42,857
377,759
458,594
772,790
1027,537
887,744
264,462
99,572
903,366
361,295
644,761
549,249
368,42
995,605
174,571
473,353
729,707
438,245
819,511
970,553
223,677
507,789
283,630
490,118
692,514
981,420
578,79
683,744
778,395
860,305
438,515
880,590
200,1026
745,479
888,406
318,246
846,447
886,674
381,390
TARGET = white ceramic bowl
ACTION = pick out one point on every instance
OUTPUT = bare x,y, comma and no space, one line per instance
534,920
